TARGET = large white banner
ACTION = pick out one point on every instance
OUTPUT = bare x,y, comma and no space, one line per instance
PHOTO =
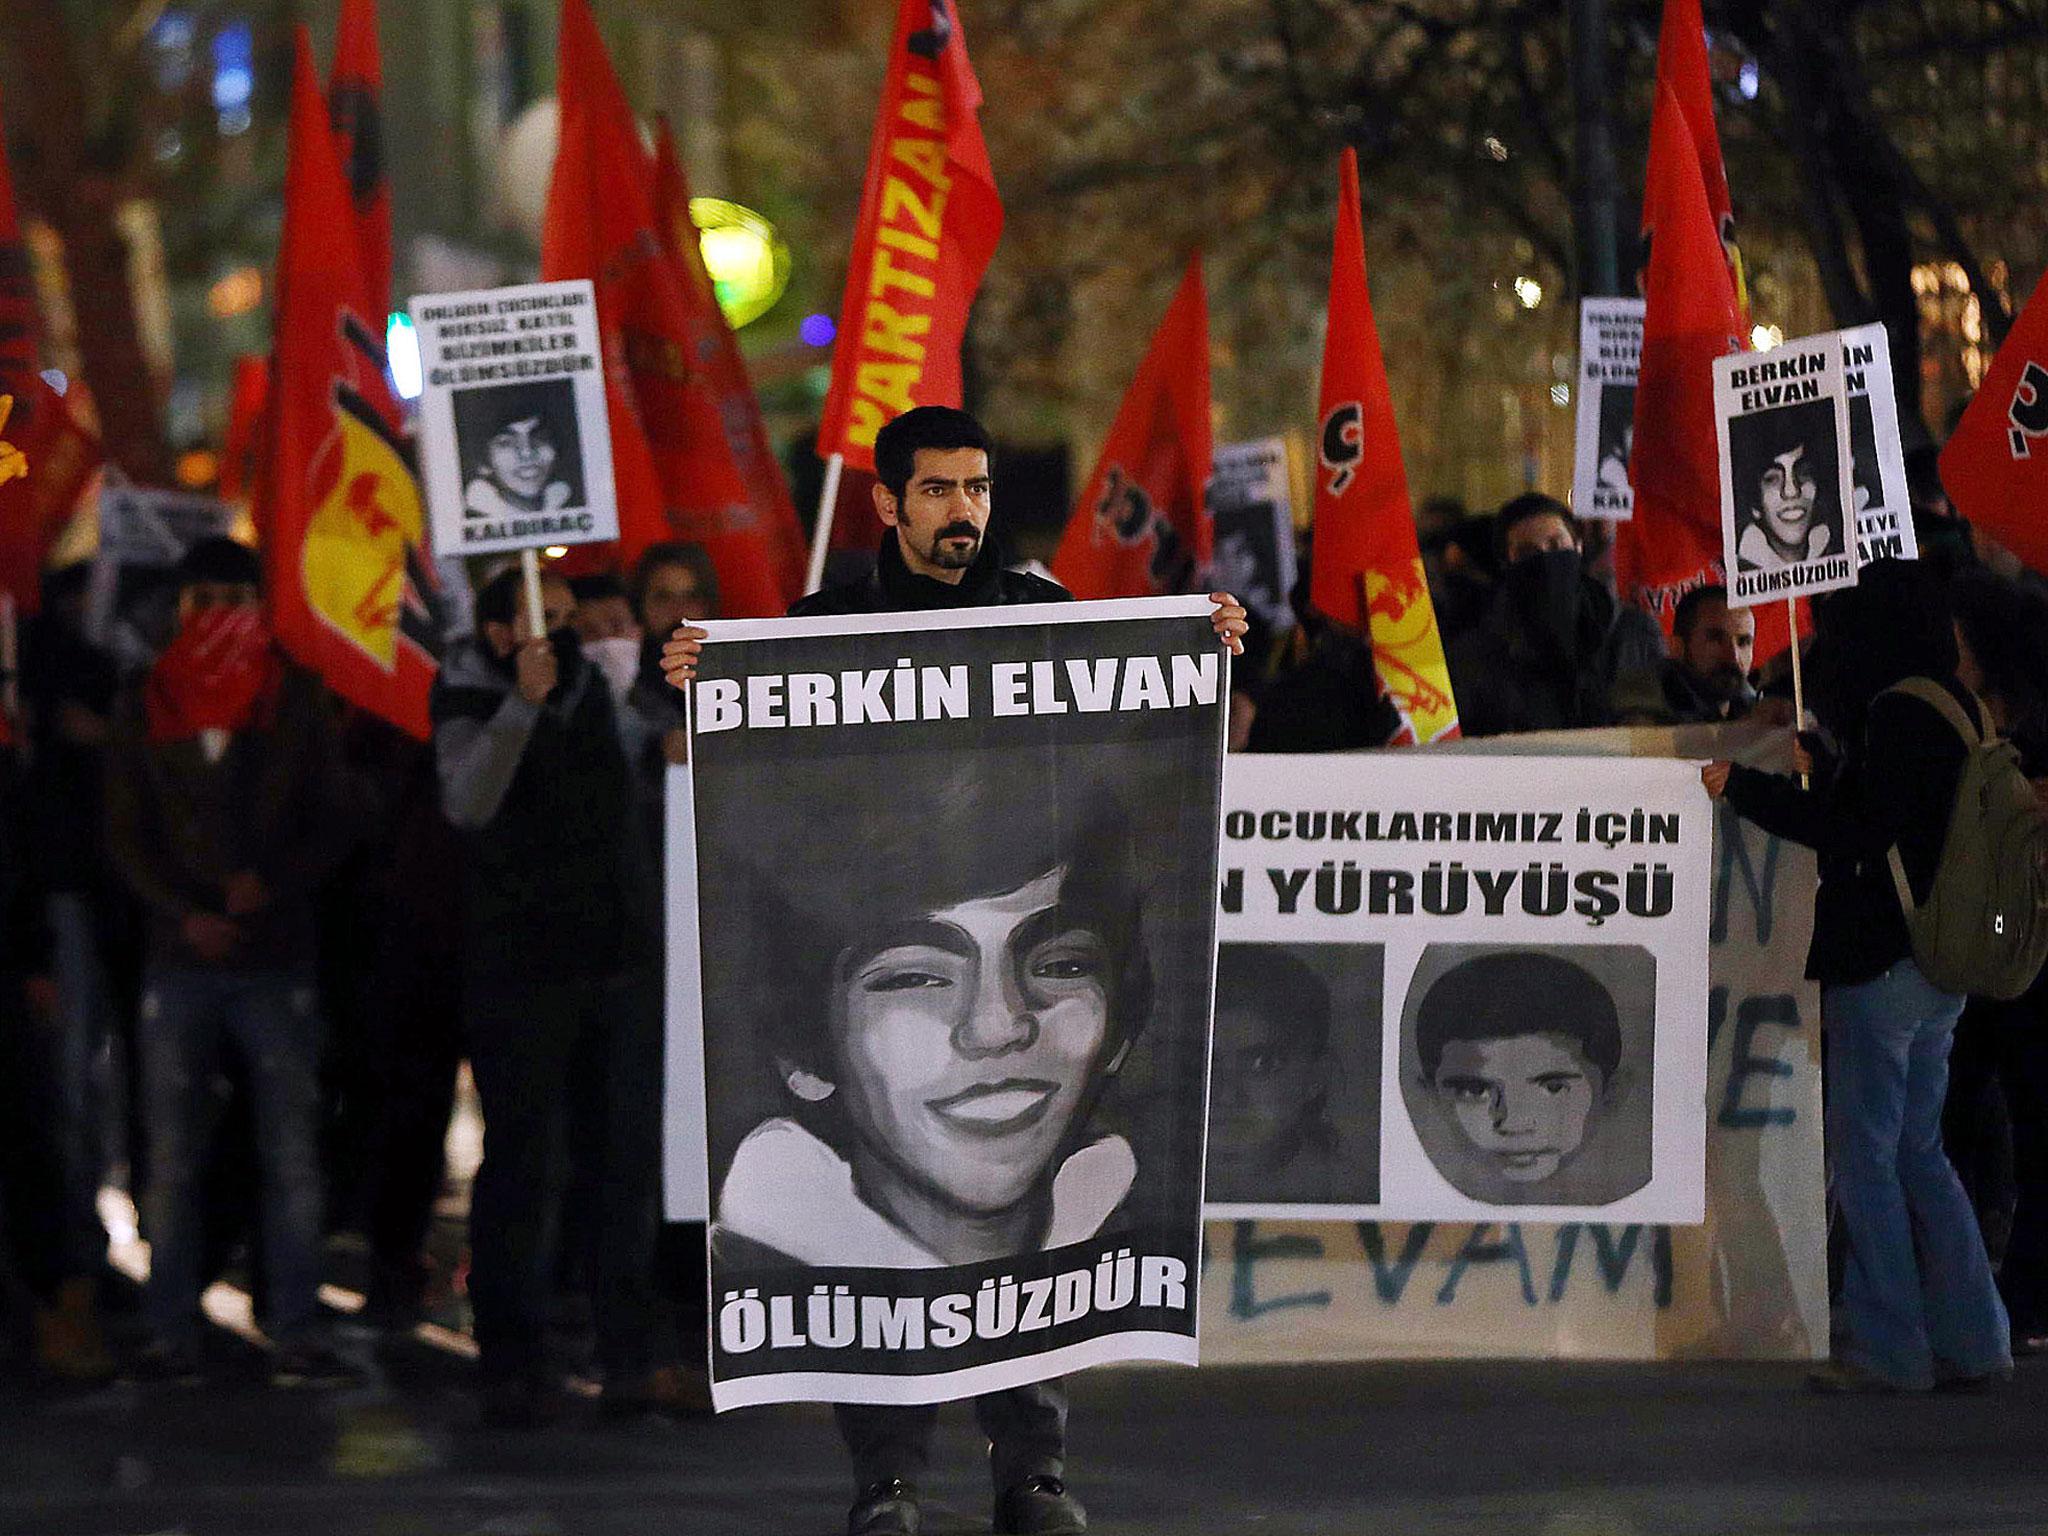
1748,1283
1453,988
943,923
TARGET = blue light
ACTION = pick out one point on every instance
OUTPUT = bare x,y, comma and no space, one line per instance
817,330
402,351
234,67
1750,80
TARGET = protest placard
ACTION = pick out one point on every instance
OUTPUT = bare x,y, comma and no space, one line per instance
514,439
131,598
942,937
1456,989
1252,506
1877,458
1782,423
1610,349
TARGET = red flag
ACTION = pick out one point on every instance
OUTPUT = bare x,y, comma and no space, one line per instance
929,221
352,593
1682,65
46,458
1673,543
1367,572
1995,467
671,459
242,455
713,340
18,362
355,101
46,461
1142,528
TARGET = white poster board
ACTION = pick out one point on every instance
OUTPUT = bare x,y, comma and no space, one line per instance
129,601
1459,989
1610,351
515,444
1782,422
1884,511
1253,508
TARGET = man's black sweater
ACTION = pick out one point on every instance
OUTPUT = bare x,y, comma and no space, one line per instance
893,587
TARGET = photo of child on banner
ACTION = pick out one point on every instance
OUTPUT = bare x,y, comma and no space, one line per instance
1513,965
953,917
1610,352
1786,489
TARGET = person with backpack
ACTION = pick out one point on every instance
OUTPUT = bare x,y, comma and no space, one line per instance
1899,863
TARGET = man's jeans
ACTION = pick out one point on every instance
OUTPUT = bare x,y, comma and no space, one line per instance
1907,1320
1026,1429
271,1019
84,1111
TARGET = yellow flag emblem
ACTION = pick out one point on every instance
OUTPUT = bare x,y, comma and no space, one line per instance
366,514
13,462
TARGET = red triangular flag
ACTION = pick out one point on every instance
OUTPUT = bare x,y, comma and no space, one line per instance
355,106
671,460
46,458
1673,543
1995,467
929,221
746,433
1142,527
246,446
351,589
1683,66
1367,572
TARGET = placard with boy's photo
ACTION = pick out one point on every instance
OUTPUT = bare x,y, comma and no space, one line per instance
942,949
1516,965
1787,490
1877,472
1610,353
515,443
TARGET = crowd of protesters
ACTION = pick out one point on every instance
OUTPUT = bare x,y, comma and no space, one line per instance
250,938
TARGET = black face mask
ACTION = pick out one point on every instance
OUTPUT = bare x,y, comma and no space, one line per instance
1544,588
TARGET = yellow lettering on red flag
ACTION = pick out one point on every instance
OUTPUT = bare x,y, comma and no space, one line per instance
366,511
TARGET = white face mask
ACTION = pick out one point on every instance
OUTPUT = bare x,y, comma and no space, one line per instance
618,659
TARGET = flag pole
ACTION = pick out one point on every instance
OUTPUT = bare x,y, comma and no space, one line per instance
529,567
821,533
1798,680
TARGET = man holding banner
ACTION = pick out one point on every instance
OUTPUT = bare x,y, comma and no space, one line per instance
921,1176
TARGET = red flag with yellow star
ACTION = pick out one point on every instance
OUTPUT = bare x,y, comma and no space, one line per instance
351,588
1368,566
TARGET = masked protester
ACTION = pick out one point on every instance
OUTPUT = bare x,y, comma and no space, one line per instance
227,807
1556,646
561,995
934,495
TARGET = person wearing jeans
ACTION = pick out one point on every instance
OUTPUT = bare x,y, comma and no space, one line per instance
227,807
1918,1305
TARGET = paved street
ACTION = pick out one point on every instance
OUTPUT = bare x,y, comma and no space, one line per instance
1403,1449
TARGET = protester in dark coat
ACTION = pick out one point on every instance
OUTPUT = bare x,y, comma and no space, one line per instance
1996,1123
1556,645
1918,1305
933,493
560,981
1709,674
227,807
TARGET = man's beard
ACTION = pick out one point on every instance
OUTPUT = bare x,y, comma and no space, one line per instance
947,558
1725,684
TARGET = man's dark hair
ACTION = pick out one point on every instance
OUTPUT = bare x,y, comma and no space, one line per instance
220,559
937,427
1526,506
1518,992
1687,615
681,553
596,587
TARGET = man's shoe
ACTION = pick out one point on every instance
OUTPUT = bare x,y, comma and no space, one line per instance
885,1509
312,1365
1039,1506
1841,1378
1971,1383
69,1345
668,1390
